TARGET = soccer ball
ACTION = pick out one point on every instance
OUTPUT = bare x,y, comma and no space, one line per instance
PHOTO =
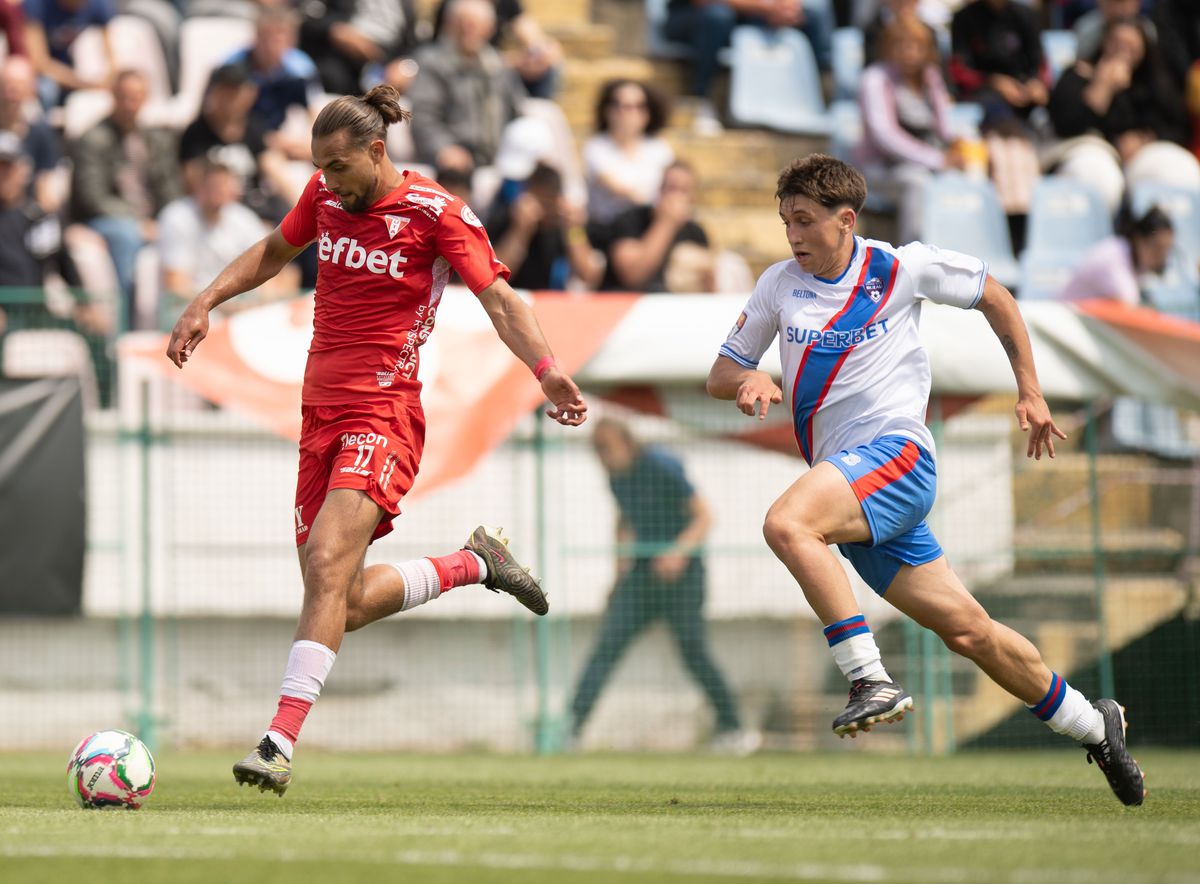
111,769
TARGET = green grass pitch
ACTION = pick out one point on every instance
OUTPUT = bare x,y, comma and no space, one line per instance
1008,817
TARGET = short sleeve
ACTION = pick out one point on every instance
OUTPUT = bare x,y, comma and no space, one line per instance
944,276
299,226
463,242
671,480
756,327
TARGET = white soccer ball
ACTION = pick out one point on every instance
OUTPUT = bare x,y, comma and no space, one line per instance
111,769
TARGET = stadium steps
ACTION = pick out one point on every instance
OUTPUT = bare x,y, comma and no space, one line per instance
554,13
1057,613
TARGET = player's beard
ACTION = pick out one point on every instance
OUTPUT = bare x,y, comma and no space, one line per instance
354,203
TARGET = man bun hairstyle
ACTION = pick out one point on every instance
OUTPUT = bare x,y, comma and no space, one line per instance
826,181
364,117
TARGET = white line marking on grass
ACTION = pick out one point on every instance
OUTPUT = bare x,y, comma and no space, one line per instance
855,873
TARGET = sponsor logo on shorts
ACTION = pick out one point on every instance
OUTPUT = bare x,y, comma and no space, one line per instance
357,471
874,287
300,526
851,460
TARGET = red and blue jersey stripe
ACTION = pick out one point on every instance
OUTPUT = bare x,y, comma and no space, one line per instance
819,365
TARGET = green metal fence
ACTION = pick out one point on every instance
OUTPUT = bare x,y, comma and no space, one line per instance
192,589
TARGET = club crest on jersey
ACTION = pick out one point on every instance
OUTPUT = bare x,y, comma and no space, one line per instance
395,223
874,287
385,378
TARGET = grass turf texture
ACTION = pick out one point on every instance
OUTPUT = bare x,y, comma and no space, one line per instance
1013,817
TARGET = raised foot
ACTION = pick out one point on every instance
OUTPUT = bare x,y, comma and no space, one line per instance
504,572
871,703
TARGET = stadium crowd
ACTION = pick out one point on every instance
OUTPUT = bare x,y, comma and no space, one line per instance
163,135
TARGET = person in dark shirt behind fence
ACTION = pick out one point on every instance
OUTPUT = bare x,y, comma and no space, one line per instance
661,529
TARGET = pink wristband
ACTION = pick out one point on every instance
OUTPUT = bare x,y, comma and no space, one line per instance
544,365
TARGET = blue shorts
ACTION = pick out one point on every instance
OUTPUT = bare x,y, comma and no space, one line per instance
895,480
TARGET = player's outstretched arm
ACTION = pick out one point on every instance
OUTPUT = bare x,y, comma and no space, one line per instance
748,387
519,330
248,271
1033,414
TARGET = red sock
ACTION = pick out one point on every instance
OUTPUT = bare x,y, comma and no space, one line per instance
457,569
289,718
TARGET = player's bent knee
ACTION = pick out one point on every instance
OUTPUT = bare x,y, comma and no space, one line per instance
783,532
973,640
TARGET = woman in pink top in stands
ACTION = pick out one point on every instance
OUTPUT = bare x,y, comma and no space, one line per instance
906,120
1111,268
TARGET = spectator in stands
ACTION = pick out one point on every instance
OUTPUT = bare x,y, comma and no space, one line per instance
1178,24
32,256
661,528
624,160
12,28
997,58
540,235
906,121
1124,117
226,131
286,78
707,25
39,141
123,176
1112,267
644,237
533,54
1089,27
888,12
351,39
464,92
200,234
51,27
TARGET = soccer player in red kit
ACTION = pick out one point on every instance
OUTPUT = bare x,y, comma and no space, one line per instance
387,242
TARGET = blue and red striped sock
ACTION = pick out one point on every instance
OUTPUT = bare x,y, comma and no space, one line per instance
1067,711
854,649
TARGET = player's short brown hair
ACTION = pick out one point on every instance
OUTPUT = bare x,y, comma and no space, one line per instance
826,181
365,117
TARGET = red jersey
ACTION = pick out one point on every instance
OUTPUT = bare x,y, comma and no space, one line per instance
380,277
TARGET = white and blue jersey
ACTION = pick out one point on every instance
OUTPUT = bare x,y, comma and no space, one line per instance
857,380
853,366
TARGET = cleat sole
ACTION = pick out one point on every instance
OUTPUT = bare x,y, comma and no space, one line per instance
896,713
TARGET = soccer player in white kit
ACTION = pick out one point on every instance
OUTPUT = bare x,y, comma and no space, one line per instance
846,311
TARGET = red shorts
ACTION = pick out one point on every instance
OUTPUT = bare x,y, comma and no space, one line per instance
374,446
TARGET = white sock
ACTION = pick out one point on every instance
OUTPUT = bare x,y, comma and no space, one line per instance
307,668
854,649
1067,711
482,565
283,743
421,583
